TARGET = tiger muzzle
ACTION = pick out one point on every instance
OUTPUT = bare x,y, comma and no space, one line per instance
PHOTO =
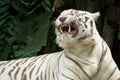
68,29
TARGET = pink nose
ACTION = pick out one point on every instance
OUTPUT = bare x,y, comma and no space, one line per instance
62,19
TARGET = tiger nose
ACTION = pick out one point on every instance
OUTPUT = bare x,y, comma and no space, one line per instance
62,19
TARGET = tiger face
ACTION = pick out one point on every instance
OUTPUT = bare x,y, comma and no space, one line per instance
73,26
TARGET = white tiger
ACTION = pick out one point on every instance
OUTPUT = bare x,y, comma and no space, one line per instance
85,54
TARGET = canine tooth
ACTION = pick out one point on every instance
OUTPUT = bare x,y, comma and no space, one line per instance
69,28
61,30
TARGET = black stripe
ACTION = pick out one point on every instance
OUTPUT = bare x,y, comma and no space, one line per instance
32,63
17,64
37,78
2,63
84,37
112,73
74,73
86,18
41,76
79,66
30,75
22,61
101,59
47,70
91,23
53,75
10,73
43,59
15,75
44,75
85,25
67,77
57,75
59,63
12,62
2,71
24,77
92,48
58,68
5,63
23,72
92,31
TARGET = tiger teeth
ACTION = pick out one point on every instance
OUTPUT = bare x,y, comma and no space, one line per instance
61,30
69,28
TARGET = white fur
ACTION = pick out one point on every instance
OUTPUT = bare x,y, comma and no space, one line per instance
79,49
65,39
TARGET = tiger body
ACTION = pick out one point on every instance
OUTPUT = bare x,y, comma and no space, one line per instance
85,54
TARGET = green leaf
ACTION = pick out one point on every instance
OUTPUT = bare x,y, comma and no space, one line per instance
40,35
47,8
5,53
3,2
18,6
2,36
35,29
34,2
2,22
48,2
22,54
3,9
22,37
3,16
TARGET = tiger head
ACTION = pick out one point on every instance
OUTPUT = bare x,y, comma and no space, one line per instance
75,26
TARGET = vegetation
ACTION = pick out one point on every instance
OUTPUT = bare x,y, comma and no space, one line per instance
23,27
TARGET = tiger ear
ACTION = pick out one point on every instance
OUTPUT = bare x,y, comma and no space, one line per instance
96,15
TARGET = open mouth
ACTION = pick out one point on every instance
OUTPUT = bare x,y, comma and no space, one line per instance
68,29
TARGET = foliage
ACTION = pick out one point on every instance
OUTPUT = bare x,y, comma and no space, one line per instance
23,27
